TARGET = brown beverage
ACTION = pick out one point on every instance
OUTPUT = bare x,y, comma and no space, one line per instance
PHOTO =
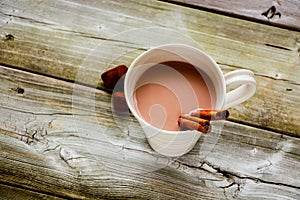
169,89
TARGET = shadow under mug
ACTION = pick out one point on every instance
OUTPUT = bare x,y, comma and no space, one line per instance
177,143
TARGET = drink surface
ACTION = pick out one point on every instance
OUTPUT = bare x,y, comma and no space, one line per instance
169,89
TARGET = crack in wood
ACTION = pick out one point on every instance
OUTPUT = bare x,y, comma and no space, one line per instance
276,78
265,166
30,19
207,167
68,155
236,177
54,148
278,47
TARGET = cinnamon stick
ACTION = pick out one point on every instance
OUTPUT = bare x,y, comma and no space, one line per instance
211,114
201,121
193,123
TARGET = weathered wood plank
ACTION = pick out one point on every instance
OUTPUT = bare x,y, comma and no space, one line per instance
93,37
61,41
62,138
254,10
274,106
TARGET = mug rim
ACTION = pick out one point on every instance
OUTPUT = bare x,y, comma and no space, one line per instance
132,108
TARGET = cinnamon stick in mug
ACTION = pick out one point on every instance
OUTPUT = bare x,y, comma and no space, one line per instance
201,121
211,114
187,122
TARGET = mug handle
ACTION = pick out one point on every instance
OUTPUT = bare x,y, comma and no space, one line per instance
247,87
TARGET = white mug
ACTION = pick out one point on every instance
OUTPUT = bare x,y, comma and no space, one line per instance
177,143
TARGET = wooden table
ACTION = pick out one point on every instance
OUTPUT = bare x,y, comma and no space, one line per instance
59,138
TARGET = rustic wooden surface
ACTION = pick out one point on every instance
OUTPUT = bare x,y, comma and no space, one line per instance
289,10
60,139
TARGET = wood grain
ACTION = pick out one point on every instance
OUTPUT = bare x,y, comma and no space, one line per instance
96,35
9,192
289,10
59,136
63,139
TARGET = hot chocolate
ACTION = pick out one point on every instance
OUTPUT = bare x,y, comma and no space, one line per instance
167,90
